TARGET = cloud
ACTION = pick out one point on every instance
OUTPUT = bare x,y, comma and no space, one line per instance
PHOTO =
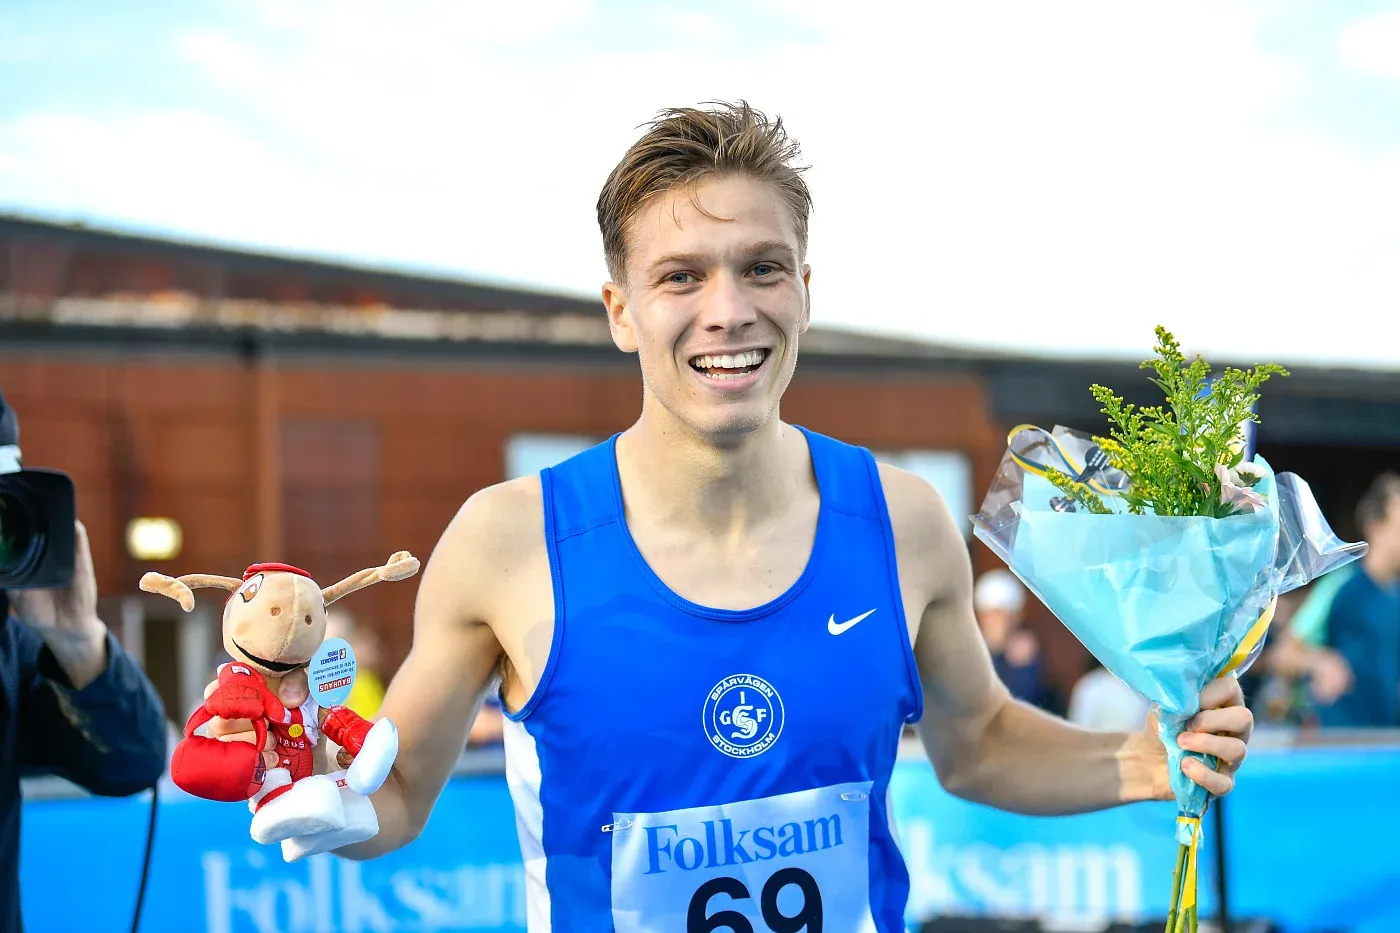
1068,177
1371,45
997,174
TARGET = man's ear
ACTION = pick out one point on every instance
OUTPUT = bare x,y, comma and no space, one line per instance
624,335
806,318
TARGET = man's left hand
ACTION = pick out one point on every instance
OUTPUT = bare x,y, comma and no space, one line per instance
66,617
1222,728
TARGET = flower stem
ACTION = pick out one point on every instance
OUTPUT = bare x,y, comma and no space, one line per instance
1176,890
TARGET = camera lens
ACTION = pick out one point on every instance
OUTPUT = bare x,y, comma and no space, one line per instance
21,536
38,537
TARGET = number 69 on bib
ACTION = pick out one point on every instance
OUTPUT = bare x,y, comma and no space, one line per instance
793,863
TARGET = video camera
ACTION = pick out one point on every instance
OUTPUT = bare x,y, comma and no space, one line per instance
38,511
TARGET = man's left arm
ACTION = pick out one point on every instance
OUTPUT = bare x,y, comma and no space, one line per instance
990,748
107,736
87,711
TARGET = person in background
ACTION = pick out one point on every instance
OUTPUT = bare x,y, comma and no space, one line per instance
1309,622
72,703
368,691
999,600
1102,701
488,728
1363,623
1297,670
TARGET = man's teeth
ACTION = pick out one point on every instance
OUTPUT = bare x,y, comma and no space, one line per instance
748,360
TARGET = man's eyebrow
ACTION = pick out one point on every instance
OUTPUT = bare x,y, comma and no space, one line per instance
750,251
770,247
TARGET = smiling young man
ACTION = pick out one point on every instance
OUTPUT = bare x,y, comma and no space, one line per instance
712,628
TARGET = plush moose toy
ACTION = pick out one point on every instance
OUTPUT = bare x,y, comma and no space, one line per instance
274,624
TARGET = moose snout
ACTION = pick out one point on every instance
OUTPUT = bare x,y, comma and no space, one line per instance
248,628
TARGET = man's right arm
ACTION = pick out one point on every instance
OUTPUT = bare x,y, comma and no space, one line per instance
436,691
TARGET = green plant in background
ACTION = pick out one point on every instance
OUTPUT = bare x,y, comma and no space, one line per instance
1184,457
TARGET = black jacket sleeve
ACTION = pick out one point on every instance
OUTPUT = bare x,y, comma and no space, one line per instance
108,738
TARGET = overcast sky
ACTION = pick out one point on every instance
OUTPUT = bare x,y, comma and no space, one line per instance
1058,176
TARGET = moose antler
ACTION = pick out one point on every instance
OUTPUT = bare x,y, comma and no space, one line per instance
181,589
401,566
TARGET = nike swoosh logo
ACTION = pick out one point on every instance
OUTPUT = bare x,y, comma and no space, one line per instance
836,628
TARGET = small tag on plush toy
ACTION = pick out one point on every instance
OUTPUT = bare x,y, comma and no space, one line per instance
331,673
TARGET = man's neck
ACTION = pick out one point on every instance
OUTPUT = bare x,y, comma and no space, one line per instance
671,475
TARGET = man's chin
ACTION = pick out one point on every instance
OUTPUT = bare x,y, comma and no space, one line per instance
733,425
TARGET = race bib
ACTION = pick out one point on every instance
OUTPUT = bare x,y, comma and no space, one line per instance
794,863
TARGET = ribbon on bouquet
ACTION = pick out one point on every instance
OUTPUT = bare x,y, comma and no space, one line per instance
1036,450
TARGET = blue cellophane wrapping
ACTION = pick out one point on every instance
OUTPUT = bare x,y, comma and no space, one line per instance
1163,602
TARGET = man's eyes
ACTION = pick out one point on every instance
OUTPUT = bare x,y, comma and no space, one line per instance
760,270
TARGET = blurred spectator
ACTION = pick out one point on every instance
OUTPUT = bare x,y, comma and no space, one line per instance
368,691
1363,622
999,600
1309,623
488,727
1102,701
1298,670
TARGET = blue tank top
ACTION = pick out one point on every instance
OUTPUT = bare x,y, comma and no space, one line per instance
687,769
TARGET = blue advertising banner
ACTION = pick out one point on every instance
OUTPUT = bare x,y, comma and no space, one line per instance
1311,844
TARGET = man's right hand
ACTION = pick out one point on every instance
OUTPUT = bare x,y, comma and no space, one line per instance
292,691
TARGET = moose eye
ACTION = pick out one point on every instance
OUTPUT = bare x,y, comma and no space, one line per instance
250,589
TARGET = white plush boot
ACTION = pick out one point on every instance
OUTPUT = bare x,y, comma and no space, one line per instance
361,823
313,805
272,780
371,766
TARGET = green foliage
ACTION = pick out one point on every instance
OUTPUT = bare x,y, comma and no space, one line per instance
1169,452
1077,491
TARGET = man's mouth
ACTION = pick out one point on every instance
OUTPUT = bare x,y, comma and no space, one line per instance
279,666
729,366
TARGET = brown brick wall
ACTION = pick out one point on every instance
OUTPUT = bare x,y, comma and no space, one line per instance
376,456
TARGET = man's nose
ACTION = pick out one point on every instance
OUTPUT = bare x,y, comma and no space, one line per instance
727,307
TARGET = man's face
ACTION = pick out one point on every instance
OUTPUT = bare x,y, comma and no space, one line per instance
713,305
996,625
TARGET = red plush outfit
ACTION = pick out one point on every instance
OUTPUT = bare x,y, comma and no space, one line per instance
233,771
279,612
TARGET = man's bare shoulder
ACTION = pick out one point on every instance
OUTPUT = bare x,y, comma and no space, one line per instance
918,512
499,521
927,538
497,531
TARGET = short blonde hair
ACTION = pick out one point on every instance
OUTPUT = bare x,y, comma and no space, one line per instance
685,145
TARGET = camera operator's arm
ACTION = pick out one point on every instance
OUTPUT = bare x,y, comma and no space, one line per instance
87,711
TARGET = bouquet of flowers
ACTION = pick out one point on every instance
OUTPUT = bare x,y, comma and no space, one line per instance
1163,547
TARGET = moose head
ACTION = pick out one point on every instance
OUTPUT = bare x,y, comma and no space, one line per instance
275,616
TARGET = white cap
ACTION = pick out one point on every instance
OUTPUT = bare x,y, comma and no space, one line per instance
999,589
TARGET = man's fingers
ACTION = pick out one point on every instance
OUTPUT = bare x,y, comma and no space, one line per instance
293,690
250,737
1227,748
232,730
219,726
1217,783
1233,720
269,760
1222,692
